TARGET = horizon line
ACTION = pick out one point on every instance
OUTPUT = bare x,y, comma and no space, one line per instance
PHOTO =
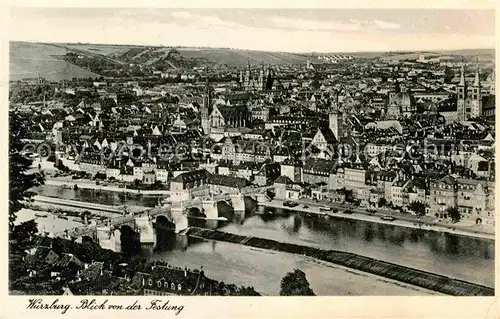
240,49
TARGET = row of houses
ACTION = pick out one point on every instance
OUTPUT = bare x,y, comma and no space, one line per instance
473,198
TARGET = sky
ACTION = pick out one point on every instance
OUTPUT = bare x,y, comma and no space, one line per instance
288,30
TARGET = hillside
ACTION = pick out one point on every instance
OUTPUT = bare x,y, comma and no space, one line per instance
49,59
189,57
241,58
104,49
26,59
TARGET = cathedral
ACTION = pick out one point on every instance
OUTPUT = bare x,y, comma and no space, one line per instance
257,81
215,119
401,104
469,103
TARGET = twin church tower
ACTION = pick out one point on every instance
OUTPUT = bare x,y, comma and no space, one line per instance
469,103
257,81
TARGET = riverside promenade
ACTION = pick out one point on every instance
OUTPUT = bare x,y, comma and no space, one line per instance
87,184
48,203
406,220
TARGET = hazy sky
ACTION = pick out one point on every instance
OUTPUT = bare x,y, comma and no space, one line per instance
294,30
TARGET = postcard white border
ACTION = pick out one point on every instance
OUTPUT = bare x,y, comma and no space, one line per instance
240,307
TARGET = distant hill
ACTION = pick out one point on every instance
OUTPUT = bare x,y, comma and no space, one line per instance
467,53
188,57
240,58
26,59
104,49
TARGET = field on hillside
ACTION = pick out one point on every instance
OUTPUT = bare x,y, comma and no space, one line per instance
468,54
103,49
26,59
241,58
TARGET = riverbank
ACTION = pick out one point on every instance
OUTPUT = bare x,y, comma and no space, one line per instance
411,276
87,184
359,214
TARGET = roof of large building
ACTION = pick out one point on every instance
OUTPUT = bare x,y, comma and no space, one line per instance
283,180
320,165
328,135
228,181
233,111
191,176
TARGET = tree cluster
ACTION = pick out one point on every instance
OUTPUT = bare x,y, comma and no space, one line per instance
21,180
295,283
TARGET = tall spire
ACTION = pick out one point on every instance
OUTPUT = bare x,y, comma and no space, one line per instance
476,79
462,75
207,83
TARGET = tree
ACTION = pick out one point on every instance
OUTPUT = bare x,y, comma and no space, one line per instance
453,213
25,231
136,183
349,197
382,202
418,208
295,284
20,181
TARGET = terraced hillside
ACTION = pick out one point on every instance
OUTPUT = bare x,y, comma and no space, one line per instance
104,49
242,57
26,59
186,57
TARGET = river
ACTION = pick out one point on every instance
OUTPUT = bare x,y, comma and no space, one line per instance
460,257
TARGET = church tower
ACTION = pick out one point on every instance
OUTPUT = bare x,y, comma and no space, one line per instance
269,78
247,77
476,102
461,95
261,82
205,109
335,119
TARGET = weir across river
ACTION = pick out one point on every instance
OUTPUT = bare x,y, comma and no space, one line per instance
381,268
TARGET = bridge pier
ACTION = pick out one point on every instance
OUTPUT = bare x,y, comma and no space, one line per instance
238,203
108,238
146,229
210,209
180,221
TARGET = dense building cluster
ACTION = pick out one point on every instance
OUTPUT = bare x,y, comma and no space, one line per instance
388,132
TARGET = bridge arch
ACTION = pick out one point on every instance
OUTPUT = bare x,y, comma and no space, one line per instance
164,232
225,209
196,217
163,222
129,238
196,212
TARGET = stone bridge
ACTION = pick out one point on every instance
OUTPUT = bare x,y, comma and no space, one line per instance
108,233
207,205
172,216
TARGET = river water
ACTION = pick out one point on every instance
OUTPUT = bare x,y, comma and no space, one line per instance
466,258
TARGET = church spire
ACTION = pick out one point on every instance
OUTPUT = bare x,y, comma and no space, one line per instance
476,79
462,75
